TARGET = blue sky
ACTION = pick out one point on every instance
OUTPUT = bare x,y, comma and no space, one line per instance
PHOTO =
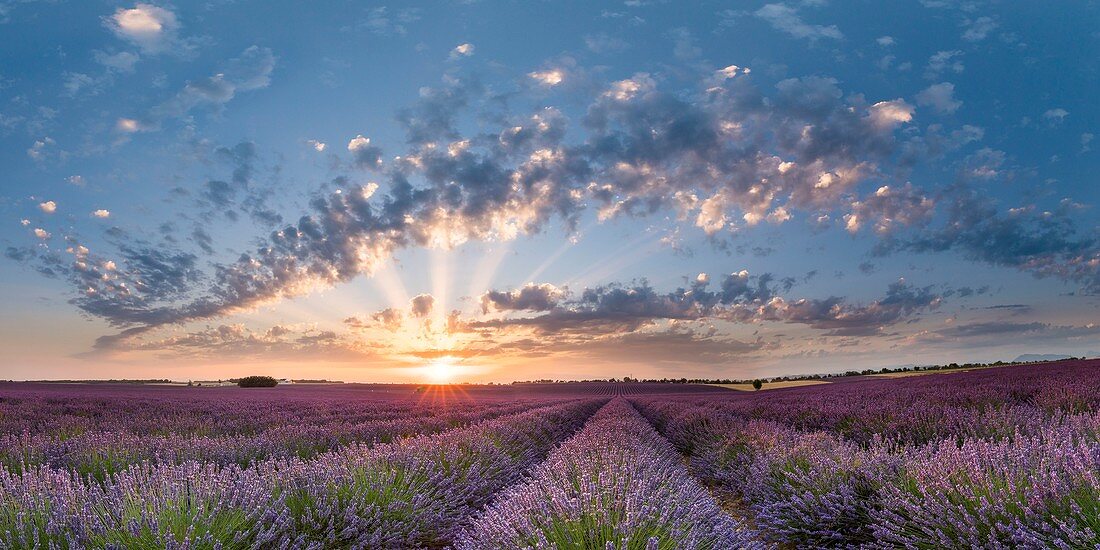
502,190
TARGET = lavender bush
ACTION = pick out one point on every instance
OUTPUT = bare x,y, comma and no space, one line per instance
616,484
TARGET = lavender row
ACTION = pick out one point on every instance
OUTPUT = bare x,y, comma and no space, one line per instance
814,489
415,492
616,484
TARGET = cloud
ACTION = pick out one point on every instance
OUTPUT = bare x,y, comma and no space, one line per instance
382,22
49,207
1055,116
250,71
41,234
128,125
732,153
841,319
786,19
530,297
885,41
462,50
979,28
942,61
241,341
122,62
364,154
619,309
1044,244
41,148
151,28
738,153
318,146
389,318
548,78
891,209
1006,332
940,97
602,43
1086,140
421,305
889,114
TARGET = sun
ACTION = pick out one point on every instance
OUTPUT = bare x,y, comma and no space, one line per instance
441,369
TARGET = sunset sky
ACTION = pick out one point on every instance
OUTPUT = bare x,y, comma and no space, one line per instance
499,190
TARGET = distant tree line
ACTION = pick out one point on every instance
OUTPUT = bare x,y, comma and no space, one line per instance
761,381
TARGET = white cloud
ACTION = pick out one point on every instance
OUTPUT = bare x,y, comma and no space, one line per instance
40,148
942,61
785,18
1055,116
625,90
1086,140
318,146
121,61
549,77
41,233
101,213
127,125
940,97
888,114
74,82
885,41
979,28
76,180
24,222
731,71
151,28
48,207
462,50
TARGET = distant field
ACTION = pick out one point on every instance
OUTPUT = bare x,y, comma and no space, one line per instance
772,385
845,379
1003,457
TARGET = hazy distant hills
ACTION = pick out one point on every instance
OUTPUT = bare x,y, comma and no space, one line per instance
1033,357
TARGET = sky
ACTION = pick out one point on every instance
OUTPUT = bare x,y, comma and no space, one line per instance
501,190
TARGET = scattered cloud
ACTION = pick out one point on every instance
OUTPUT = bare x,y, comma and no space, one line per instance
940,97
943,61
462,50
549,77
151,28
1055,116
364,154
249,71
786,19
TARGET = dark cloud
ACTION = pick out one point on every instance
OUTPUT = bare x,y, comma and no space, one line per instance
841,319
617,309
421,305
1044,244
531,297
1017,331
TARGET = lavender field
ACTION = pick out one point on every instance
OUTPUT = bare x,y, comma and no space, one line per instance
999,458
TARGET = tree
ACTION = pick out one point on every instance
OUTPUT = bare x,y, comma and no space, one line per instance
257,382
757,384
